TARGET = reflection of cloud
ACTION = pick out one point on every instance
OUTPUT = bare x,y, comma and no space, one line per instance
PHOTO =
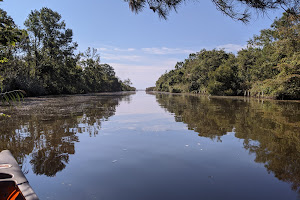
231,47
166,51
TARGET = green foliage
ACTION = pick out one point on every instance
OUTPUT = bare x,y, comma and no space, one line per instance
287,87
2,115
268,67
148,89
126,85
223,80
43,61
15,95
205,71
9,34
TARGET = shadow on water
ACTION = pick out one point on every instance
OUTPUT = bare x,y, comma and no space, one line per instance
46,129
270,129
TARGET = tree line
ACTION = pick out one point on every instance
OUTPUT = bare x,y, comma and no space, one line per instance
42,59
268,67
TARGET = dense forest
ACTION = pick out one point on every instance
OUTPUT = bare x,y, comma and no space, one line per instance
42,59
268,67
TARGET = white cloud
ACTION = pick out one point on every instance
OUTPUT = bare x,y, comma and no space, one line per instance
231,47
142,75
144,66
147,50
117,57
115,49
102,49
166,51
124,50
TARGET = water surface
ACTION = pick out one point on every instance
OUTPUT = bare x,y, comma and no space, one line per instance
156,146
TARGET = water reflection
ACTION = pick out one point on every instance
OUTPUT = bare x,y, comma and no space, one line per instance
46,129
270,130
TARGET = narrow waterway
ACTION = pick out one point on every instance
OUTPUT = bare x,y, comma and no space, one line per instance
156,146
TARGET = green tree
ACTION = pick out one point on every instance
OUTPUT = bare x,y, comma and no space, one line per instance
9,36
100,77
52,51
126,85
280,70
268,67
9,32
44,60
224,81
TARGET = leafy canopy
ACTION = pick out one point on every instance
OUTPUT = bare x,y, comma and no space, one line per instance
236,9
269,66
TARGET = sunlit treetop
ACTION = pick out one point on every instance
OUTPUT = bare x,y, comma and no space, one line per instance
236,9
9,33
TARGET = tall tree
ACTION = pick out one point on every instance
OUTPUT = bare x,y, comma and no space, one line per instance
52,50
9,36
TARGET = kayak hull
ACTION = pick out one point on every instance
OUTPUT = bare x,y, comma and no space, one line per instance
13,183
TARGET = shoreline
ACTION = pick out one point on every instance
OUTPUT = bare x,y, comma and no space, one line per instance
38,100
228,97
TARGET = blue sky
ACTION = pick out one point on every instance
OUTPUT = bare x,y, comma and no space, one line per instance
143,46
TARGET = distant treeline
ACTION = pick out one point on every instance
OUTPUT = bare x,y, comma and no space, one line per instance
268,67
41,59
148,89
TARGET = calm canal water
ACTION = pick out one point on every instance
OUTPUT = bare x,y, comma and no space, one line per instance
138,146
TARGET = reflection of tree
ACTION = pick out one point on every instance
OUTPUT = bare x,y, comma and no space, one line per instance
200,113
270,130
47,128
277,130
44,160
